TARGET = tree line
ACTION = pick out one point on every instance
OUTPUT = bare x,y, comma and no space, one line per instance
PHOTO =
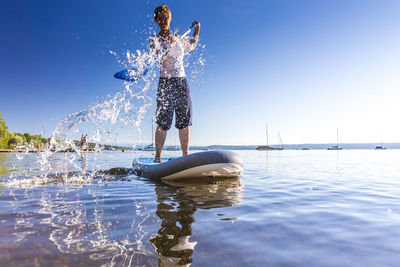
12,140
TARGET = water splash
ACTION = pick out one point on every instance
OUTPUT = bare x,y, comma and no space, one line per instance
117,115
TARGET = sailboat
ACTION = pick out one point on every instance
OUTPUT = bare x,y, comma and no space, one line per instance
280,140
267,147
381,147
336,147
305,147
151,147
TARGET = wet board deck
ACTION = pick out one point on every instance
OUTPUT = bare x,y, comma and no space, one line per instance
149,160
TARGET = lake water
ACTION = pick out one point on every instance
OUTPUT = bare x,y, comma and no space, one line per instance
289,208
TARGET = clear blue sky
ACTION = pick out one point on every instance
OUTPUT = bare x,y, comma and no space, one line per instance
304,67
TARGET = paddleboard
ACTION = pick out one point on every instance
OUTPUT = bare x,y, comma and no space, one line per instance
201,164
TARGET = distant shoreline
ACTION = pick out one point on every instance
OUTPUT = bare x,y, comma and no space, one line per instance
35,151
60,151
18,150
193,149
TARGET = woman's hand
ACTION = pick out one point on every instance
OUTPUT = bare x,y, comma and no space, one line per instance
197,24
196,29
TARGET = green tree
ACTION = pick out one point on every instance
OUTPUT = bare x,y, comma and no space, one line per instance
4,135
15,141
22,136
12,140
28,137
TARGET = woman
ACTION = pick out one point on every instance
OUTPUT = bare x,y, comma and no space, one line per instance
173,89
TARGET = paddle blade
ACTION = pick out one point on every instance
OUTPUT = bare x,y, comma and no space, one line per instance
121,74
131,75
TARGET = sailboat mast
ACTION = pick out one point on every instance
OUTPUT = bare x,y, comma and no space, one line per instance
152,131
337,137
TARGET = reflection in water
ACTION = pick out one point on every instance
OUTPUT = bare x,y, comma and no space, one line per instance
112,228
177,203
74,221
4,170
84,161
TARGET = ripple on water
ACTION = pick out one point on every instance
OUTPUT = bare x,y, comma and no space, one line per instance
317,209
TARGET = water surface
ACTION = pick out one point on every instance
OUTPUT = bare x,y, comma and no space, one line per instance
302,208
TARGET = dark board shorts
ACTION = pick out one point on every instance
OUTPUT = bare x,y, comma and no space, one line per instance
173,95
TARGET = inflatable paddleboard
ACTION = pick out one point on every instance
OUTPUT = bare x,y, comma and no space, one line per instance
201,164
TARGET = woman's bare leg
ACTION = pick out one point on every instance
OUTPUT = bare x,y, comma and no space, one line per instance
160,136
184,138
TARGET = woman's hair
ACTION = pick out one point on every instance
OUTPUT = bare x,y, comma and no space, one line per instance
161,9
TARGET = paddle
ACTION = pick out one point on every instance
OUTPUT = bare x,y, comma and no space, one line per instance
131,75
